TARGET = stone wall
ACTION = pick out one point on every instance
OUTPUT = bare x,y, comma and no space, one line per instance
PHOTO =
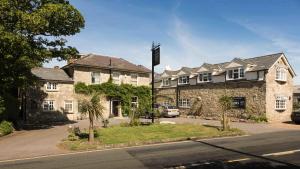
82,74
210,93
36,96
279,88
163,95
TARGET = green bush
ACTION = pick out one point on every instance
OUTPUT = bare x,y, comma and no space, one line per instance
6,128
258,119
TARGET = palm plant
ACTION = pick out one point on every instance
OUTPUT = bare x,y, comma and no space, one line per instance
90,105
225,102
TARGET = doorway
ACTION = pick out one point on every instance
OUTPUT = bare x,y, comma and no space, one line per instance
115,111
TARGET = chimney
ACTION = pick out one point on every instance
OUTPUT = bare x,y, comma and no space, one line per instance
56,67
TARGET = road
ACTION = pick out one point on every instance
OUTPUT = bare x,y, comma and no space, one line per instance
278,150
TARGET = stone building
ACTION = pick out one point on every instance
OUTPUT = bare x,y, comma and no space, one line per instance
259,87
53,98
297,95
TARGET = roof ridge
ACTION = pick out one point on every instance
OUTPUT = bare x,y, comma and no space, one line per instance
263,56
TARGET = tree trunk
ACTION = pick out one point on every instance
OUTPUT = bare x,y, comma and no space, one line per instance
91,129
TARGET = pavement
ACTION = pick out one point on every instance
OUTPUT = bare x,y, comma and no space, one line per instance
41,142
279,150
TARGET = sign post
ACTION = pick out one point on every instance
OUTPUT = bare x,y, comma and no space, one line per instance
155,61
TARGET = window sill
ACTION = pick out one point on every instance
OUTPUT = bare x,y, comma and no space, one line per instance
184,107
48,90
280,80
283,109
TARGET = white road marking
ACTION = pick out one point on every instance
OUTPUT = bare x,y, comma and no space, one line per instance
110,149
237,160
281,153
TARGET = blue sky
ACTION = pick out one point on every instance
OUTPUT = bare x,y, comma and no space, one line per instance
190,31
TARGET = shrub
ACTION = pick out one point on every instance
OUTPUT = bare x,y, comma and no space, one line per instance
6,128
258,119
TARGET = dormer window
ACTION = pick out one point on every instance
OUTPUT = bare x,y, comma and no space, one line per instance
281,74
166,82
183,80
238,73
204,77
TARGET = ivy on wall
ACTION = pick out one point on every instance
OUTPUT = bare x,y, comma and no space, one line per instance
124,92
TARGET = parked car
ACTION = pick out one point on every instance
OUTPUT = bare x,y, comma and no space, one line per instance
170,111
296,117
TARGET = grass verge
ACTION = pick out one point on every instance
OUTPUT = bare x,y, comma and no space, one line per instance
118,136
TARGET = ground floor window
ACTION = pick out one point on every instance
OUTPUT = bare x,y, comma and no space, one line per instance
185,103
48,105
134,102
68,106
280,103
239,102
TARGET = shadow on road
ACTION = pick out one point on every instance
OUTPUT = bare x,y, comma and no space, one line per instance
235,165
284,165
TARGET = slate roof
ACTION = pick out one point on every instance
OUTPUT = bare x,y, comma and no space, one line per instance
259,63
55,74
107,62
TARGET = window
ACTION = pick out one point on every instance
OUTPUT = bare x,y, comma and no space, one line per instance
183,80
134,102
95,77
68,106
185,103
116,77
204,77
51,86
236,74
166,82
48,105
239,102
281,74
134,79
280,103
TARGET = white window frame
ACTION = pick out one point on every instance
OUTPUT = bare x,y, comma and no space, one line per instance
166,82
118,79
184,103
182,80
204,77
281,74
240,72
96,80
280,103
134,81
68,102
51,86
48,103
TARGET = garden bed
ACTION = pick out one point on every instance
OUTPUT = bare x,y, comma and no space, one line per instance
119,136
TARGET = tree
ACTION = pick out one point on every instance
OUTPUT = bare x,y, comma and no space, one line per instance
91,105
225,102
196,109
33,32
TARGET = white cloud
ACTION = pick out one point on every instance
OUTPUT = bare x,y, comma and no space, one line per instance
281,40
192,49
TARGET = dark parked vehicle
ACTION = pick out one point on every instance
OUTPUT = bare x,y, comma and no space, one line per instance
296,117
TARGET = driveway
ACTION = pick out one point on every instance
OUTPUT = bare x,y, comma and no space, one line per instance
40,142
32,143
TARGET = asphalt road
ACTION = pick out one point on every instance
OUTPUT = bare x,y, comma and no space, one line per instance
280,150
